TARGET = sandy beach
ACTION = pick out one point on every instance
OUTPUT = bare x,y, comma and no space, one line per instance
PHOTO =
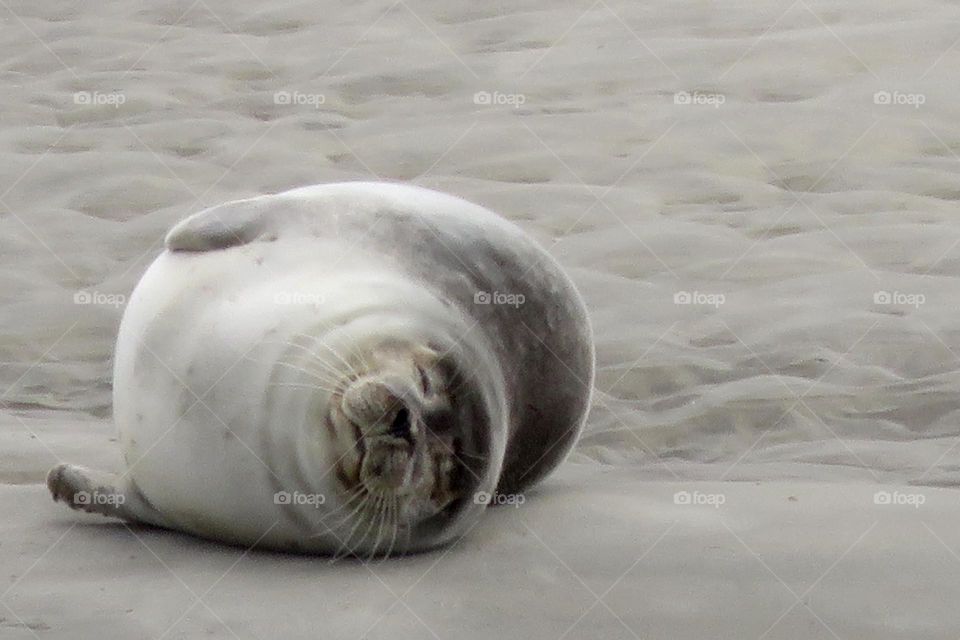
758,202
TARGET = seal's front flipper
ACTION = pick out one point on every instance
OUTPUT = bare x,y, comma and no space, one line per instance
220,227
97,492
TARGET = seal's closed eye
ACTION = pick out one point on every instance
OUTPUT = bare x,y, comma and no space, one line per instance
424,380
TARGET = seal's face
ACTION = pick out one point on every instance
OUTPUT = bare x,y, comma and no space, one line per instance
400,454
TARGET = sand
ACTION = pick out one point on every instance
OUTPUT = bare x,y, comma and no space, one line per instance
757,200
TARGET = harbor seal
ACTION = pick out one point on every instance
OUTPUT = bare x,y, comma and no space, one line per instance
353,368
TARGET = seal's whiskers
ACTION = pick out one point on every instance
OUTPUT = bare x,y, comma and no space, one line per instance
374,520
313,374
382,521
357,514
297,385
317,360
322,376
333,352
348,503
394,525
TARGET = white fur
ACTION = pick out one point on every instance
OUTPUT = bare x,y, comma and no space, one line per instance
207,324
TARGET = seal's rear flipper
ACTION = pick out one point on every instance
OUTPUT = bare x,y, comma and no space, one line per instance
97,492
220,227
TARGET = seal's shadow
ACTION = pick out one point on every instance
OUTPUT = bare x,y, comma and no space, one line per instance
159,543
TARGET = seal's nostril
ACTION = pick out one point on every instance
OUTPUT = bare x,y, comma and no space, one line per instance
400,427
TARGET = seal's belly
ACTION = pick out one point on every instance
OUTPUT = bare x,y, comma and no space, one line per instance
192,371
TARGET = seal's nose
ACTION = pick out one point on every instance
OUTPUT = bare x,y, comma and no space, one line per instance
401,427
370,401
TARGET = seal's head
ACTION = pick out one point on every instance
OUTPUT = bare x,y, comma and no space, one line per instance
405,425
409,431
396,412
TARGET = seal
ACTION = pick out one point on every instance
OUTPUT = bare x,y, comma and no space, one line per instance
345,369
